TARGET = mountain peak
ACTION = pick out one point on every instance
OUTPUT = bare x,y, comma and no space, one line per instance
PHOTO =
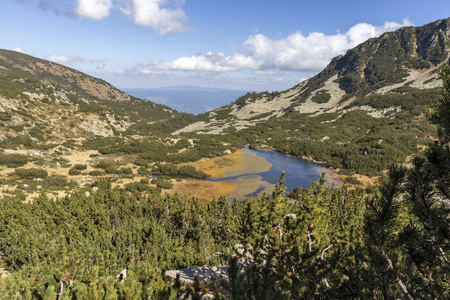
408,57
57,74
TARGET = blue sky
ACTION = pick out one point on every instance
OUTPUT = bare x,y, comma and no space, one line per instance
245,45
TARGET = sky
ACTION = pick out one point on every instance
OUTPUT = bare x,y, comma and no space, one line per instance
242,45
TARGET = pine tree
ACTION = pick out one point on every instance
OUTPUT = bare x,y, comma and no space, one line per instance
426,238
381,224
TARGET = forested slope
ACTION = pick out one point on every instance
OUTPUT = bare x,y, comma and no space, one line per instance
315,243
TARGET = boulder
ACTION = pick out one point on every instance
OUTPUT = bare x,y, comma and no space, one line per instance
204,274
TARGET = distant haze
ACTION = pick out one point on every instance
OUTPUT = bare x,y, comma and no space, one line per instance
189,99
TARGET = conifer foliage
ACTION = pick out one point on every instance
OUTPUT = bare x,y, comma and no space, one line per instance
316,243
78,247
407,228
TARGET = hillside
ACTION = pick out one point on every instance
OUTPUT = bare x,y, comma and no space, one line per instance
104,219
44,102
365,107
62,130
406,58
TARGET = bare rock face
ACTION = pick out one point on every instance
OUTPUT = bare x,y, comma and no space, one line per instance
23,152
96,126
204,274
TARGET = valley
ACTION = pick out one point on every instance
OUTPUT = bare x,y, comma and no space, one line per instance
188,99
342,183
234,176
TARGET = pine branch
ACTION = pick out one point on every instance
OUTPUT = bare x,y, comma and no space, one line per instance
397,277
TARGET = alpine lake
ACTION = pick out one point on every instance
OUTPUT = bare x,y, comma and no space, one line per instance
250,173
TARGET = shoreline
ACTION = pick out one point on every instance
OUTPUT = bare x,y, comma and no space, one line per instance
331,172
239,163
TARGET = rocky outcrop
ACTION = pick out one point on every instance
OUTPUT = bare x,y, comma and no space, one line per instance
23,152
204,274
96,126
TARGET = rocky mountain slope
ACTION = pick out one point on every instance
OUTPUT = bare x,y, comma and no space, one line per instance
363,112
402,62
46,102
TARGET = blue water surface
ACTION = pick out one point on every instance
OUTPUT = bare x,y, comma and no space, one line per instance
299,172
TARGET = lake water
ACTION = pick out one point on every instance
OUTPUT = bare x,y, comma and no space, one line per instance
299,172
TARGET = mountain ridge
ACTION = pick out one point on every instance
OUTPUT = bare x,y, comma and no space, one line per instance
408,56
53,72
363,112
50,103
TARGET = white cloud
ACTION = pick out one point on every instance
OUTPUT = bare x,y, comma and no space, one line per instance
18,50
267,57
312,52
163,16
207,62
242,61
268,73
213,62
153,72
99,60
64,59
93,9
363,31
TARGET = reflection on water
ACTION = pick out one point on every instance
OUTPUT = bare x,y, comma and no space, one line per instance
299,172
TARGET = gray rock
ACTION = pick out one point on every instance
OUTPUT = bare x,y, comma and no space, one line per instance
4,273
204,274
122,275
23,152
